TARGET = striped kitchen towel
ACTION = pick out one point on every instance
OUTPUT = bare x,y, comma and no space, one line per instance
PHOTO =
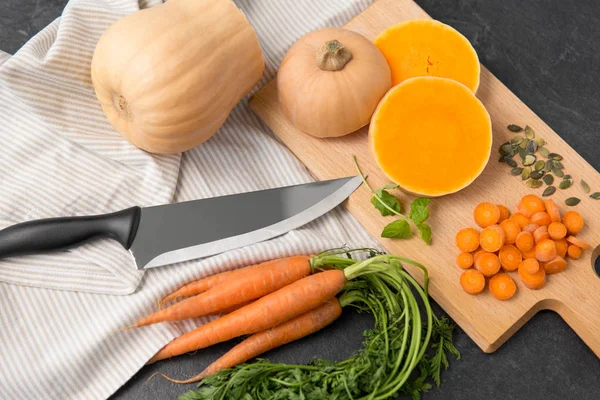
60,157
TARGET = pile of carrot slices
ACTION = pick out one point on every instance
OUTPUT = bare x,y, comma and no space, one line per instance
535,241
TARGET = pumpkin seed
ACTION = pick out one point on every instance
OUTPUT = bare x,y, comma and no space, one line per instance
522,153
548,180
558,172
529,133
565,184
525,173
548,166
514,128
529,159
516,140
516,171
550,190
572,201
567,177
543,151
532,147
557,164
585,186
508,149
539,165
523,144
595,195
511,163
555,156
540,142
536,174
534,183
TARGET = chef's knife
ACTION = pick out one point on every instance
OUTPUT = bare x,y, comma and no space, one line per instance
171,233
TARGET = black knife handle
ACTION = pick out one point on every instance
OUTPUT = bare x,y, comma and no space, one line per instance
51,234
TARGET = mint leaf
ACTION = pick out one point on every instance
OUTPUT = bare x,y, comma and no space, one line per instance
399,229
420,202
425,233
419,215
388,199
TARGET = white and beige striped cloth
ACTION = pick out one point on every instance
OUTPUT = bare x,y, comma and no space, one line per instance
59,156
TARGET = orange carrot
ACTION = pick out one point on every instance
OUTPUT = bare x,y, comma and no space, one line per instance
530,265
477,256
273,309
261,342
510,257
524,241
561,247
533,281
541,218
529,253
530,204
530,228
464,260
245,286
573,222
545,250
486,214
488,264
511,230
557,231
578,242
472,281
540,234
502,286
504,213
492,238
552,210
555,265
467,240
520,219
574,251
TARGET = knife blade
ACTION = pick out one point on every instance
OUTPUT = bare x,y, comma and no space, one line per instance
171,233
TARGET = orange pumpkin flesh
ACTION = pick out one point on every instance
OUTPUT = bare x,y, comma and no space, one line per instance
429,48
431,136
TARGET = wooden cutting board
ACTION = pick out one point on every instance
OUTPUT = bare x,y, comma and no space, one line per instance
574,294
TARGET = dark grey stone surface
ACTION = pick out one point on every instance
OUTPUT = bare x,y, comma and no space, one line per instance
548,53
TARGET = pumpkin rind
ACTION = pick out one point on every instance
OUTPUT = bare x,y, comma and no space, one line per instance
431,136
167,77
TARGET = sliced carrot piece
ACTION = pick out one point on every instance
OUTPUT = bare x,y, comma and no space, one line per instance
540,234
573,222
502,286
524,241
578,242
478,254
554,266
520,219
574,251
530,228
531,204
561,247
492,238
530,265
511,230
552,210
486,214
467,240
541,218
488,264
510,257
545,250
472,281
532,281
464,260
557,231
504,213
529,253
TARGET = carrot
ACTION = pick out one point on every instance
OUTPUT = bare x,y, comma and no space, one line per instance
540,234
573,222
533,281
530,265
552,210
504,213
520,219
524,241
477,256
557,231
541,218
574,251
472,281
578,242
492,238
530,204
486,214
467,240
464,260
561,247
275,308
529,253
510,257
488,264
545,250
530,228
511,230
554,266
248,284
261,342
502,286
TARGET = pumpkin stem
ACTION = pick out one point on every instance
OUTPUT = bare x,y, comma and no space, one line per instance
122,107
333,56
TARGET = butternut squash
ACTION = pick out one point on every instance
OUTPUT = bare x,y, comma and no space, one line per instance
426,47
167,77
431,136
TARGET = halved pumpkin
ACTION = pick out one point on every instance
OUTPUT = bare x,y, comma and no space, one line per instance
425,47
431,136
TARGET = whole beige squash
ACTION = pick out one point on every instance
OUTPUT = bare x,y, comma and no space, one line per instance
167,77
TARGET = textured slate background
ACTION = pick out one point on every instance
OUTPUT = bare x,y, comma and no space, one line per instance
548,53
